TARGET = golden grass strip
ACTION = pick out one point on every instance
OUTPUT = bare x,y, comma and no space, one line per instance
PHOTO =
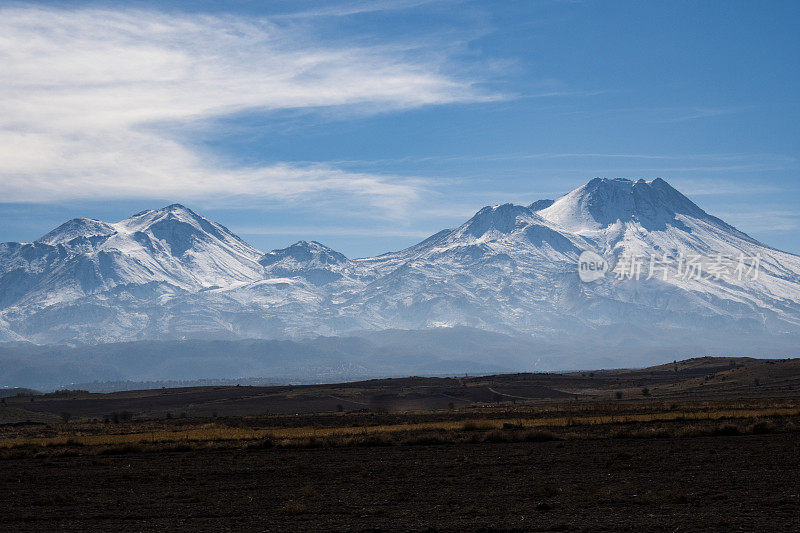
217,434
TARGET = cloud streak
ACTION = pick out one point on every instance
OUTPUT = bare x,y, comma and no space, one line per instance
87,96
343,9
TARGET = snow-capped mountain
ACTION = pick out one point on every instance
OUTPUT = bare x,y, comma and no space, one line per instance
172,247
653,221
170,273
312,261
115,275
500,263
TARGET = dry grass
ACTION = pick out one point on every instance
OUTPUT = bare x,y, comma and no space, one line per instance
586,421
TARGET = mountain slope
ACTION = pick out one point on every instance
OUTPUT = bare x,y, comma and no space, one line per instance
173,245
499,262
171,274
312,261
96,276
625,220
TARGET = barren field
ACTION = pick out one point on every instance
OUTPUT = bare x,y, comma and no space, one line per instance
744,483
698,445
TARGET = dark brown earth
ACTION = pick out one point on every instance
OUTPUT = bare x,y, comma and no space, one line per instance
704,444
737,483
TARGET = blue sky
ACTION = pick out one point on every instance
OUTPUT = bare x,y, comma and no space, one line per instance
370,125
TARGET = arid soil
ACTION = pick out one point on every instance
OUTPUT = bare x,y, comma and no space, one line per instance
726,483
699,445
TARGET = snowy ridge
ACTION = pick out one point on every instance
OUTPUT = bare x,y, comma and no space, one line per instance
312,261
171,247
170,274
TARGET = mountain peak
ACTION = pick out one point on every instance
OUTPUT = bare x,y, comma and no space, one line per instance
502,218
304,252
175,210
77,227
313,260
603,202
169,272
179,209
538,205
168,218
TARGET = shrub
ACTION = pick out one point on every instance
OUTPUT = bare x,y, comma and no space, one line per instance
621,456
309,492
429,439
691,431
621,434
726,430
181,447
477,425
545,491
261,444
762,427
122,416
310,442
651,433
65,453
376,439
120,450
538,436
499,435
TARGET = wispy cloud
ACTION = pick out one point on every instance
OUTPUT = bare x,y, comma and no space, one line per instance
773,159
343,9
694,113
663,115
725,187
86,94
326,231
764,220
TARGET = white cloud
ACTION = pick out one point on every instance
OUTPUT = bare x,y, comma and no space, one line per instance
334,9
764,220
86,93
327,231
